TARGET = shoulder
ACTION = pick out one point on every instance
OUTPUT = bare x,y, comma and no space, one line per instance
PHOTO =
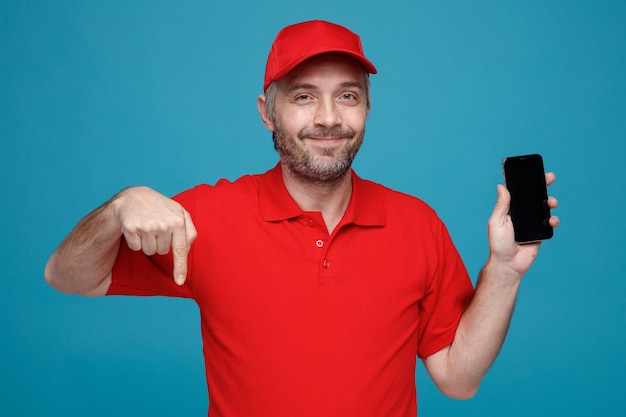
396,201
405,215
222,192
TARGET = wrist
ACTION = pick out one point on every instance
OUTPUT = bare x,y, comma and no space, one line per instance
503,271
110,212
114,205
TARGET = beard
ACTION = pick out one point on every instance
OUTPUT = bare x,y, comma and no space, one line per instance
308,166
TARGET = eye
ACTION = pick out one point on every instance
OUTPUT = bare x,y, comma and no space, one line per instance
303,97
349,99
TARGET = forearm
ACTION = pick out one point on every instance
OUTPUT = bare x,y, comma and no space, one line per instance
459,369
83,262
484,324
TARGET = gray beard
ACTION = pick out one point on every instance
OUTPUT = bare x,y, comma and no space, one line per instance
306,168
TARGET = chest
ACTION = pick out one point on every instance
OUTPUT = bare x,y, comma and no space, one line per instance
285,276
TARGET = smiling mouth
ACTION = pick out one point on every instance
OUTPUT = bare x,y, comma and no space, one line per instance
327,134
327,143
326,138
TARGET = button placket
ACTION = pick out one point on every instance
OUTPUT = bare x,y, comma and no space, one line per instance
327,276
322,242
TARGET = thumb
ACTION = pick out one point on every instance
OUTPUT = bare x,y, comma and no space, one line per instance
503,203
190,229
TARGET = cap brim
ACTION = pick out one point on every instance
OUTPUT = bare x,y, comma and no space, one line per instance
367,65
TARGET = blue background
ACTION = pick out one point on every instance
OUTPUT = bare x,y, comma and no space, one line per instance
96,96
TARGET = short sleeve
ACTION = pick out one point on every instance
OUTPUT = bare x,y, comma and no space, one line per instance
135,273
447,296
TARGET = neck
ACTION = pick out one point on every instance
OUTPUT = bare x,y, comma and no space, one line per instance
330,198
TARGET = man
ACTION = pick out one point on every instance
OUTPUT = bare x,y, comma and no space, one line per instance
317,289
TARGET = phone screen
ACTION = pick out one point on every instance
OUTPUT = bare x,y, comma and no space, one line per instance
525,179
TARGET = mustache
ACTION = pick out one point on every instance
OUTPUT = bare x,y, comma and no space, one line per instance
325,133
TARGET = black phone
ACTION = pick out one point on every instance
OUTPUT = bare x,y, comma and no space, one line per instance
525,179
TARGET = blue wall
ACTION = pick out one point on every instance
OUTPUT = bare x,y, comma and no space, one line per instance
96,96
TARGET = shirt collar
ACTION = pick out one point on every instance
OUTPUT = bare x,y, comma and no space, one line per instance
364,209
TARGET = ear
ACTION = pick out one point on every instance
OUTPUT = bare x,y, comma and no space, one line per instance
267,120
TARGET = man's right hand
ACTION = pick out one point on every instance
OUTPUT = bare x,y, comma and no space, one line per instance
153,223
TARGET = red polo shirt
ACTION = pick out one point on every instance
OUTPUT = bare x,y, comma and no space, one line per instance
297,322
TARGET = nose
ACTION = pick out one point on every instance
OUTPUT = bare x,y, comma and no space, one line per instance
327,114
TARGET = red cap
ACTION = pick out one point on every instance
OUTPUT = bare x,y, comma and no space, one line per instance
301,41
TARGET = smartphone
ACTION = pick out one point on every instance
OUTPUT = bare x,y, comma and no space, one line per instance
525,179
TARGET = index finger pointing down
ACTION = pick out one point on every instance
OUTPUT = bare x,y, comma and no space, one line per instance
180,249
